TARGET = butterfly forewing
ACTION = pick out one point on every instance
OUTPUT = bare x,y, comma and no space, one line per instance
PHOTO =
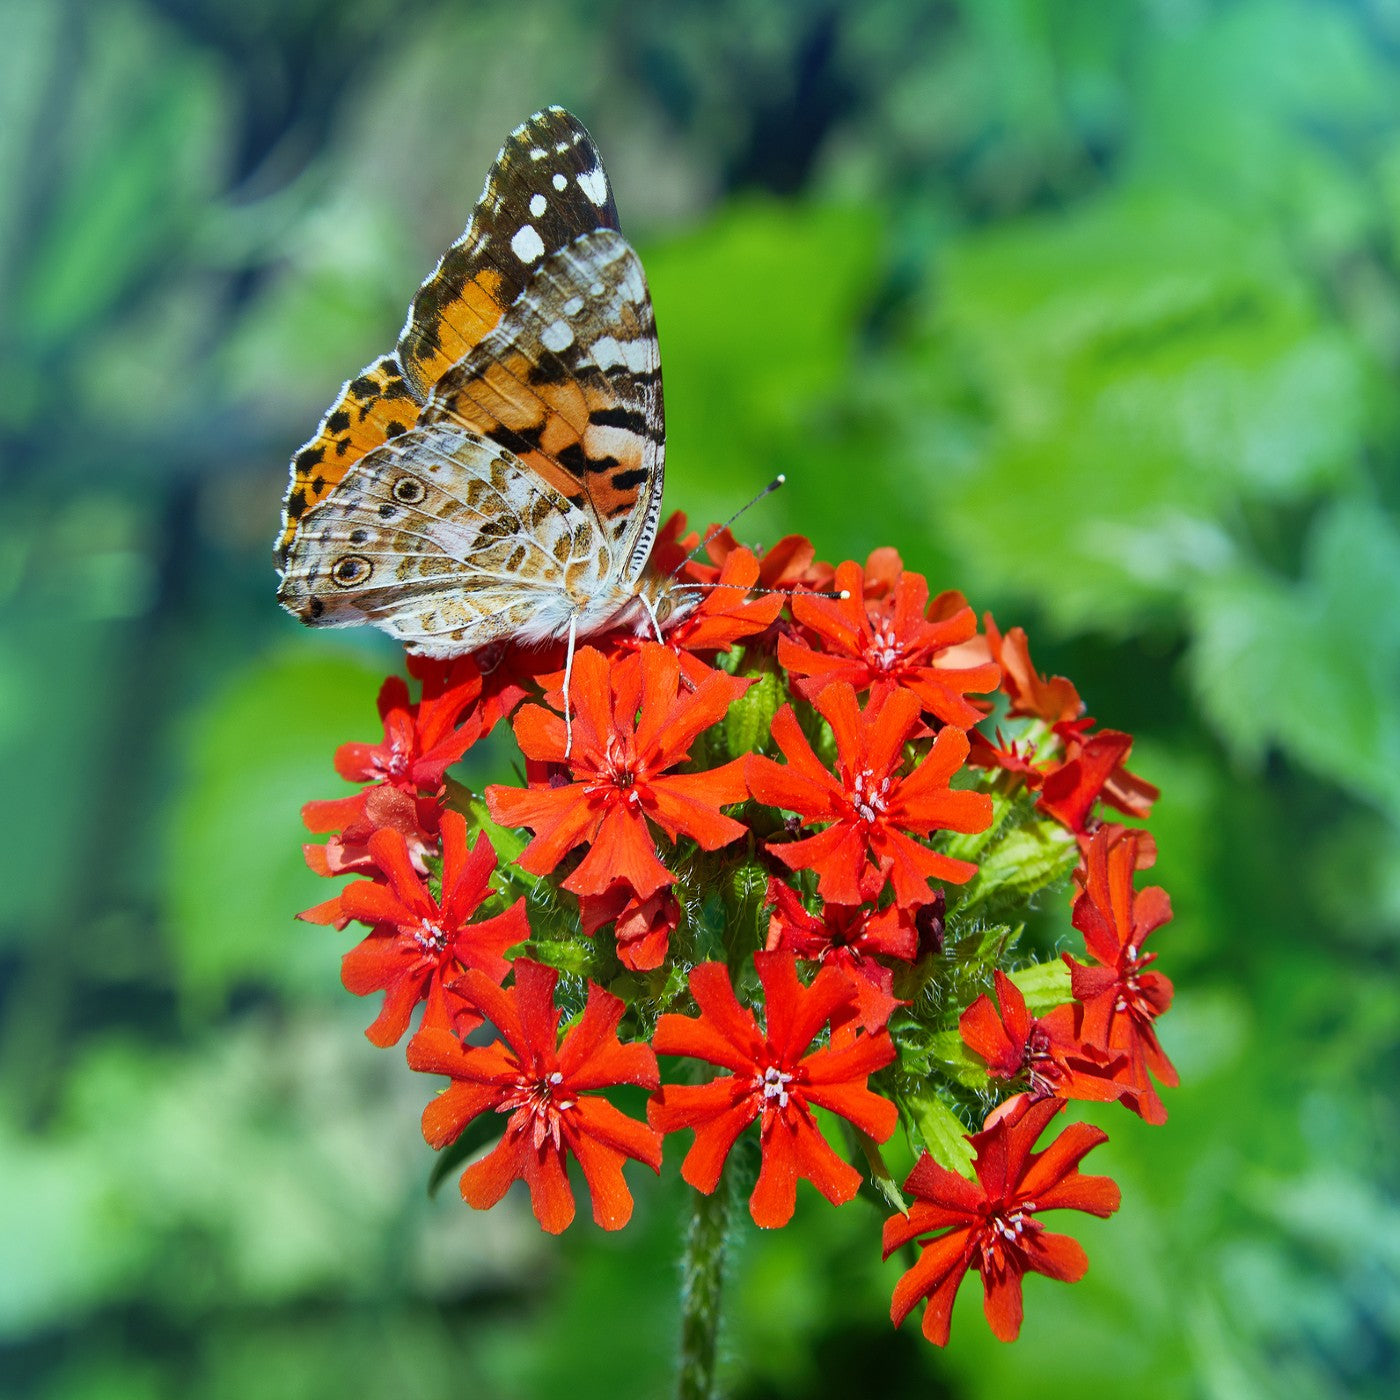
546,189
570,382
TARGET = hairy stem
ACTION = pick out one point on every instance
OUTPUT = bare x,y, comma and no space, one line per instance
702,1282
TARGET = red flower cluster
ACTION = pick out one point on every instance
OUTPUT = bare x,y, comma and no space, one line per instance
763,843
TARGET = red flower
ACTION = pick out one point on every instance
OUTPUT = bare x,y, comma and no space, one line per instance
992,1223
419,944
546,1087
1093,770
642,927
1120,998
870,809
1016,756
1031,694
725,614
883,568
355,819
849,937
618,762
712,619
421,742
499,672
773,1080
883,644
787,567
1044,1049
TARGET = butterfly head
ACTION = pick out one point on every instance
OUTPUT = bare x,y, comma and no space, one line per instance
653,605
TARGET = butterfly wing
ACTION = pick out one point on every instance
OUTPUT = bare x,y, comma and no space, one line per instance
545,189
570,383
374,406
446,541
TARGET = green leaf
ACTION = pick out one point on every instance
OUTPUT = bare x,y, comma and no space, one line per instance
750,717
1147,327
1314,666
954,1058
1044,985
940,1131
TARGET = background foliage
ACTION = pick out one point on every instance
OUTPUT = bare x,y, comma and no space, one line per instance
1093,310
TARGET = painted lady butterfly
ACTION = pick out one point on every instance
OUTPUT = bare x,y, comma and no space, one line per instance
498,476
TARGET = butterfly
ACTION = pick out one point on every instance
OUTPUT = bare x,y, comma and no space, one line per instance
498,475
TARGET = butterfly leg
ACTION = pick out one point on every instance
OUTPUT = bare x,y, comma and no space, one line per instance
651,612
568,673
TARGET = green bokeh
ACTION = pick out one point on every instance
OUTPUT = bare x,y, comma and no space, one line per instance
1092,309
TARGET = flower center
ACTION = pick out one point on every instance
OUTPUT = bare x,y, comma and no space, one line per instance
774,1084
430,936
1004,1235
885,651
620,778
535,1107
393,764
1040,1065
868,798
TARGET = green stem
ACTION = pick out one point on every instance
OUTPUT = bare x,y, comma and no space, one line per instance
702,1281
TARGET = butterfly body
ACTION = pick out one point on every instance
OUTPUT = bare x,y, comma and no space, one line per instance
499,476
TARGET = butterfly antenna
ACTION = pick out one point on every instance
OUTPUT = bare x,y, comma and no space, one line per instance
718,530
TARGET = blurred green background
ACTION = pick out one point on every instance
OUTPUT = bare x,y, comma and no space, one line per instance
1093,309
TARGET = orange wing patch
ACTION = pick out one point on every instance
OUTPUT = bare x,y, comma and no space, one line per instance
372,408
454,309
570,383
575,433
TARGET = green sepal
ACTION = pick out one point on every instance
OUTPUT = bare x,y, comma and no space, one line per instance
649,994
578,957
942,983
745,890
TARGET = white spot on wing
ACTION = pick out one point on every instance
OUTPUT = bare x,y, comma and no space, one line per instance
557,336
527,244
538,204
573,306
537,153
560,181
610,353
595,185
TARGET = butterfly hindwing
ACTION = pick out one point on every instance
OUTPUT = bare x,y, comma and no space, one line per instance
445,540
570,383
374,406
546,188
